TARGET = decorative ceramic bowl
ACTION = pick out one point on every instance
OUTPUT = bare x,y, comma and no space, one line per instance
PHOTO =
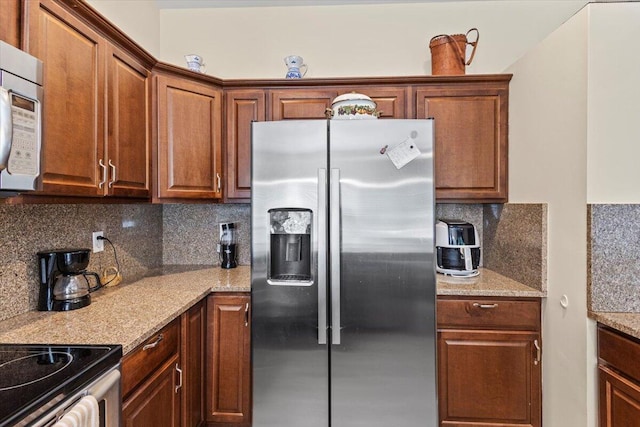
354,106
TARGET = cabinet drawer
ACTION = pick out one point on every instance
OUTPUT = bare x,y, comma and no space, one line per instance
476,313
149,356
619,351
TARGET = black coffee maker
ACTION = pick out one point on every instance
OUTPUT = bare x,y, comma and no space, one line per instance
64,280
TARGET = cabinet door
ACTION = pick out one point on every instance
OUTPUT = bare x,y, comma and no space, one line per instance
488,378
619,400
470,140
391,102
228,360
242,107
128,157
10,22
189,139
193,357
287,104
156,402
73,107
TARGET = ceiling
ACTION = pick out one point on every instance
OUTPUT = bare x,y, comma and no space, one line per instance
186,4
191,4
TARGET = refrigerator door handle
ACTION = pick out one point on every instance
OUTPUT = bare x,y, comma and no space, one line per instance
334,221
322,256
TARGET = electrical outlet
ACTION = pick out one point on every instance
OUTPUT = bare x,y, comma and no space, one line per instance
98,244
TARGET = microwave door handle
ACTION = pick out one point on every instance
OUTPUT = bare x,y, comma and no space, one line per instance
6,127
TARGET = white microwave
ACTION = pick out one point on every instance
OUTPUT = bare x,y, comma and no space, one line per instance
20,119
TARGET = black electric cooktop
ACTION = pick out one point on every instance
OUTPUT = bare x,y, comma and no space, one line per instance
33,377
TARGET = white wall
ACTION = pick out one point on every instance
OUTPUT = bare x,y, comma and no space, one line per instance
548,116
139,19
354,40
547,163
614,104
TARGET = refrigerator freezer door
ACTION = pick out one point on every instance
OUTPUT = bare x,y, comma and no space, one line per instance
289,323
383,370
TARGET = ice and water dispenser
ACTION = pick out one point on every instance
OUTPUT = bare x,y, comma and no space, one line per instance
290,240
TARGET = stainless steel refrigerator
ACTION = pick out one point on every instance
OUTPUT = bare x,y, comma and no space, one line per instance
343,279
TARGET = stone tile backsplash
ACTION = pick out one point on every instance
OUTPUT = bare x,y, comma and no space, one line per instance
191,232
613,270
135,230
148,236
515,242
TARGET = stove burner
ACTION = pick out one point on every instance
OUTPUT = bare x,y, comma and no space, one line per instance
18,370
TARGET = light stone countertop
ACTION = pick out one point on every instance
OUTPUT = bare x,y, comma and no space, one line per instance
629,323
487,283
126,314
129,314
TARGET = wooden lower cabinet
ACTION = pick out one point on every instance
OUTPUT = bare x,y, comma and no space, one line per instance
619,377
193,325
151,381
489,367
228,360
163,380
155,402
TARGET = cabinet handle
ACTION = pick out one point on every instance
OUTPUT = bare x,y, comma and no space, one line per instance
246,314
113,173
104,173
219,182
153,344
485,306
538,352
179,386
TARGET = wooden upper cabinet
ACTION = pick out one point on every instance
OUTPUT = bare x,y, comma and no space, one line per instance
129,126
242,106
96,109
391,101
189,126
10,22
470,139
287,104
73,107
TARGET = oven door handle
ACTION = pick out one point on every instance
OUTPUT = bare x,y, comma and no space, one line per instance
106,384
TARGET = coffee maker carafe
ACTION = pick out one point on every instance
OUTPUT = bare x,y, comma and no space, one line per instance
64,280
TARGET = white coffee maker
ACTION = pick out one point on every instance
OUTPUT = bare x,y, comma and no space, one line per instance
457,248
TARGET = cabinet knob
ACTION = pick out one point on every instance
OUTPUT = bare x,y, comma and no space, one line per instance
104,173
538,352
153,344
484,306
246,314
219,182
179,386
113,173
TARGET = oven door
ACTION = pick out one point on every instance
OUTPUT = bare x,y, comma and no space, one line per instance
105,389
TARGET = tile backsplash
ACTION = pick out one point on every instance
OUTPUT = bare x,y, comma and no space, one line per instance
191,233
134,230
613,245
148,236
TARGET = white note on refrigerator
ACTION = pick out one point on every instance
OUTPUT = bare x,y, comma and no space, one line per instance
403,153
